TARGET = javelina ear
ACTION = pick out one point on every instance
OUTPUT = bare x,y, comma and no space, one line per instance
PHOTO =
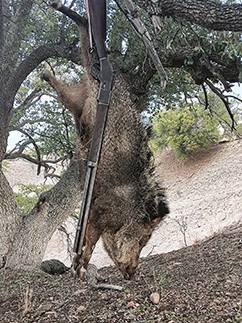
152,224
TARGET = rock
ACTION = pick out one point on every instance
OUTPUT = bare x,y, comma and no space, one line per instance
105,297
53,267
78,292
131,304
155,298
81,309
130,317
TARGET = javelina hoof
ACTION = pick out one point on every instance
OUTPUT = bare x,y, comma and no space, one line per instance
46,74
78,272
77,268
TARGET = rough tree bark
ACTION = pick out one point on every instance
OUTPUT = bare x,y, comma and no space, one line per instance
34,230
209,14
24,238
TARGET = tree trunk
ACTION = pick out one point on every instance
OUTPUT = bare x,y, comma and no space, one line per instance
26,247
23,239
10,218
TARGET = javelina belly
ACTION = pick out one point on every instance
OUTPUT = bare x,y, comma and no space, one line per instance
127,204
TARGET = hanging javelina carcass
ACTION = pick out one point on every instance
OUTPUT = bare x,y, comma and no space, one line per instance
127,204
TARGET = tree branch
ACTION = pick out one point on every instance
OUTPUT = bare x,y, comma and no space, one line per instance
1,42
176,59
205,96
22,147
30,97
13,37
209,14
44,163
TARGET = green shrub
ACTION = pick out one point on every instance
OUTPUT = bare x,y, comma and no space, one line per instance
184,130
28,195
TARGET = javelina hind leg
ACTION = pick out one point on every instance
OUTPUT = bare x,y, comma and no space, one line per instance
48,77
80,262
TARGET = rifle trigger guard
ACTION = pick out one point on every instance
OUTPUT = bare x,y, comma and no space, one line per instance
95,65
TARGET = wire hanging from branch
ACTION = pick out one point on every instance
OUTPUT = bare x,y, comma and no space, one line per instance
224,99
147,40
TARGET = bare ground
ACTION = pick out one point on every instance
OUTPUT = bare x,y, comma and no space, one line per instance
200,283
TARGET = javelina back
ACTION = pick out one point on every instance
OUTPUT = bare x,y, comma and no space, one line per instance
127,204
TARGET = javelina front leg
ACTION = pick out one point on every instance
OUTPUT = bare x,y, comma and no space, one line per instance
80,262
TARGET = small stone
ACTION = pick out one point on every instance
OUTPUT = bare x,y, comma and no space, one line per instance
79,291
50,313
105,297
130,317
81,309
53,267
131,304
155,298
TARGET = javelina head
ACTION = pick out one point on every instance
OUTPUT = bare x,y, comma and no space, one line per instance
125,245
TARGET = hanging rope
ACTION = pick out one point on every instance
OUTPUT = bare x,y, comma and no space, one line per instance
89,25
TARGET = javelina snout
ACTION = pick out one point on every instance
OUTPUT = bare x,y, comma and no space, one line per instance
124,247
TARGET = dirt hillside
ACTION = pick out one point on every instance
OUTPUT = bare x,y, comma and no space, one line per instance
201,283
204,194
196,284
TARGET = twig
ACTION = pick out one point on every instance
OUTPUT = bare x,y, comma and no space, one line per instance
106,286
189,296
239,226
27,302
92,276
183,227
63,304
153,247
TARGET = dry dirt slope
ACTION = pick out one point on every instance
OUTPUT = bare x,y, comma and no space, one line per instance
201,283
204,194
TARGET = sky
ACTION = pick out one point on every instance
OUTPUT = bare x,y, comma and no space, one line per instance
13,138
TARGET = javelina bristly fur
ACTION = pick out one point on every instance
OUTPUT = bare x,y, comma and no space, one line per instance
127,203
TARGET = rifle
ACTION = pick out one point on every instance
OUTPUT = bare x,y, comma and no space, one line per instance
97,22
95,150
97,27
